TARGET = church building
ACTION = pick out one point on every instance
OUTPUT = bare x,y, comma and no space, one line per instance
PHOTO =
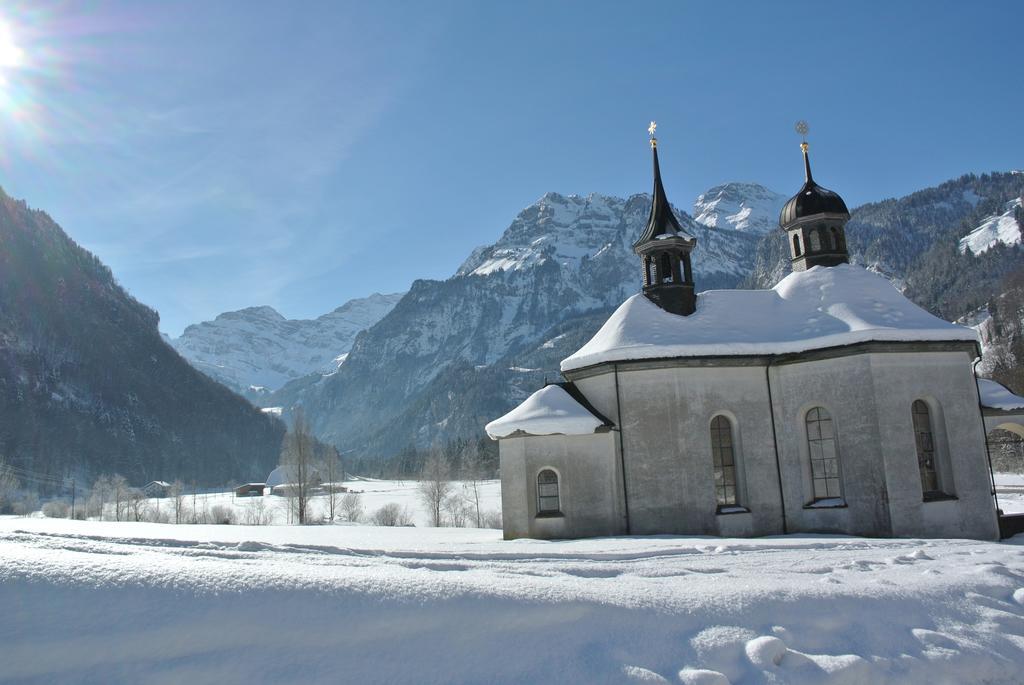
827,404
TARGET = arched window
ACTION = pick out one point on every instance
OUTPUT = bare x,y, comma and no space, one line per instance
665,268
796,245
648,271
724,458
815,240
547,492
835,239
924,438
821,445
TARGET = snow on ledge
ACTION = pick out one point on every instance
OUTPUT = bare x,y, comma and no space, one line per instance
996,396
549,411
815,309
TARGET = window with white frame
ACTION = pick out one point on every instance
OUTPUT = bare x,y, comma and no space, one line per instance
548,501
821,445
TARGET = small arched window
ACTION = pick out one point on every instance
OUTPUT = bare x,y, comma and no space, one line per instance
547,493
835,239
724,458
821,445
815,240
796,245
665,267
924,438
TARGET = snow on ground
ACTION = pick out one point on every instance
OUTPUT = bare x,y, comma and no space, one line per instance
1010,492
100,602
373,493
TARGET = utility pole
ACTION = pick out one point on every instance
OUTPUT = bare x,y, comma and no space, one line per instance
72,498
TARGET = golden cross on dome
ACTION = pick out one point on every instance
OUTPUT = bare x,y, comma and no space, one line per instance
802,128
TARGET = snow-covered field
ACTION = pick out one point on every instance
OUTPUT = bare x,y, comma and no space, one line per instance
101,602
374,494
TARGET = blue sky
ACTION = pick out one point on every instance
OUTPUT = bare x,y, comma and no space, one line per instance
223,155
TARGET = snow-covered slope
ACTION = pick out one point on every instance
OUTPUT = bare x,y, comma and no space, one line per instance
257,348
92,602
997,228
746,207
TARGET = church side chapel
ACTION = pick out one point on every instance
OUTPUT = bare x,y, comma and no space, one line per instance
829,403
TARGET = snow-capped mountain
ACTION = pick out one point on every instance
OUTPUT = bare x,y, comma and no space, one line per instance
453,351
748,207
1002,228
257,349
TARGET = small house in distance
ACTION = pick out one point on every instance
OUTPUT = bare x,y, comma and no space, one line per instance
250,490
827,404
156,488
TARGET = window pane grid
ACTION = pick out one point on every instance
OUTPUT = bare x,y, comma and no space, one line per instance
821,446
547,492
724,462
925,447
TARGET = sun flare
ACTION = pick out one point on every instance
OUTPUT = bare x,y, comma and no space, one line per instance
11,55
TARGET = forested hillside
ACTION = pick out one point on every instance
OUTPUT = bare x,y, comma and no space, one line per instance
88,386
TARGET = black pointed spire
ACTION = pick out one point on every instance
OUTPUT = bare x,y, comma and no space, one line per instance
662,220
664,250
807,163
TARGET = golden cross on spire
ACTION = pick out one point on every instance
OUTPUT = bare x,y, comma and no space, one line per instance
651,129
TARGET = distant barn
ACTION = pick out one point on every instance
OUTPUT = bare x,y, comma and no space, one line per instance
156,488
250,490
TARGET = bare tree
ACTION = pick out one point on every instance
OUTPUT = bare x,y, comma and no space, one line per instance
472,482
257,513
137,504
177,495
8,486
98,497
298,456
333,476
391,514
352,507
119,490
434,487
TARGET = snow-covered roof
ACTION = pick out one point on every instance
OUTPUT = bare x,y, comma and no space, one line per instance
814,309
549,411
286,474
997,396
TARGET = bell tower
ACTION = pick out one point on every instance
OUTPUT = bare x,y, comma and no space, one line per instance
814,220
664,250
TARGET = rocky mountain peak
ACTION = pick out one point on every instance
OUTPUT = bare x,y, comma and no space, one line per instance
748,207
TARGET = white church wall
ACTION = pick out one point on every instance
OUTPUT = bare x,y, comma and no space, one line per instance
844,387
589,485
666,419
944,381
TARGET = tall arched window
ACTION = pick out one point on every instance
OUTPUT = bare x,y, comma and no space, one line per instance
924,438
796,246
665,269
724,458
835,239
547,492
821,445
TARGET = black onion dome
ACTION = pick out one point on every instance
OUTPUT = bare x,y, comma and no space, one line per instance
812,199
